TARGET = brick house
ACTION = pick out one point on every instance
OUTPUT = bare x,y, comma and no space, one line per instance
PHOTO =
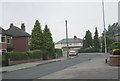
20,38
14,39
5,41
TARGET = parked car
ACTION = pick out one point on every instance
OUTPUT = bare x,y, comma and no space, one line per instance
73,53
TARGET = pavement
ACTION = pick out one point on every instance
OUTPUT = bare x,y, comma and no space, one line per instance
93,69
28,65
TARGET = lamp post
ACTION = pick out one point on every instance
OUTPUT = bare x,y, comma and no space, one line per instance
104,26
67,38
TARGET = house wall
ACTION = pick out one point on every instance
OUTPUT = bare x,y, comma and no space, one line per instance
117,38
3,45
70,44
20,44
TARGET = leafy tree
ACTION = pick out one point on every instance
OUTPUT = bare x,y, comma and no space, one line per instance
96,39
36,37
110,33
113,29
88,42
48,43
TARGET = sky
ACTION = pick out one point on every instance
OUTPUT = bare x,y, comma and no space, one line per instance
81,15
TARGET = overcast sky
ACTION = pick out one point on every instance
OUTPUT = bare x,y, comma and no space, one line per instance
81,16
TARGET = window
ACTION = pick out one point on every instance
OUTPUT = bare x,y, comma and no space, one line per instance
8,40
3,52
3,39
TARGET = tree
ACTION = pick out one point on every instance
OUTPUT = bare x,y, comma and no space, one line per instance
48,43
110,33
96,39
113,29
88,42
36,37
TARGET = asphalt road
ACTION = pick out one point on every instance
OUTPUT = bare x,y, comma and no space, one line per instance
46,69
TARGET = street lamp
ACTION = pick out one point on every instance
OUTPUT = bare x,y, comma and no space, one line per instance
67,38
104,26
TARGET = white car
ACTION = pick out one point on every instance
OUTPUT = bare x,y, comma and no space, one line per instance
73,53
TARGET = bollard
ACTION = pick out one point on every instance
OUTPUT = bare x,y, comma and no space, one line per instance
105,60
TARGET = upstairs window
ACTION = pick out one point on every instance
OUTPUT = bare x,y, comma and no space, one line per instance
8,40
3,39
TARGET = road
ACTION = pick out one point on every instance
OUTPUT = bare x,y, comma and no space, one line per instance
46,69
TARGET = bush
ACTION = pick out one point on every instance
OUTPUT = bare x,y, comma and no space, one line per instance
116,52
17,56
4,60
36,54
45,54
88,50
116,45
58,52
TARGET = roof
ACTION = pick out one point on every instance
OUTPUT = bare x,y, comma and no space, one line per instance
3,32
17,32
70,40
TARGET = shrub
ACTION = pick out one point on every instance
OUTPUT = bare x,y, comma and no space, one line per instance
58,52
45,54
116,45
17,56
88,50
36,54
116,52
4,60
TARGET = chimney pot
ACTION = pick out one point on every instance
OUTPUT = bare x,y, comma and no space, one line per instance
23,26
11,25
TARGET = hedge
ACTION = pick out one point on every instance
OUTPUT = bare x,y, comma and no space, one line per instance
17,56
45,55
36,54
88,50
58,52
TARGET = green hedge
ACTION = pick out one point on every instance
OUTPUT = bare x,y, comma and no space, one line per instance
17,56
36,54
45,55
58,52
88,50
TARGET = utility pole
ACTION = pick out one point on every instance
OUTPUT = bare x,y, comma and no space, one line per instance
104,26
67,38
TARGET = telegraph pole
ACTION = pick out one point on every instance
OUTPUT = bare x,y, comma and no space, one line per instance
67,38
104,26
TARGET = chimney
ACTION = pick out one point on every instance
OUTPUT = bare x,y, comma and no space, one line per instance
11,25
23,26
75,37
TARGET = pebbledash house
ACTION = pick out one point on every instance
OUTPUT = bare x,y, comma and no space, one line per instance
14,39
73,44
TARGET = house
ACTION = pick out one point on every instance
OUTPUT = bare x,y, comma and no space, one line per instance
20,38
117,37
73,43
14,39
5,41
